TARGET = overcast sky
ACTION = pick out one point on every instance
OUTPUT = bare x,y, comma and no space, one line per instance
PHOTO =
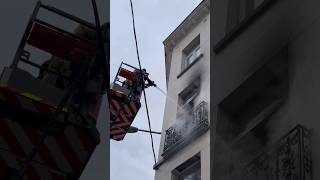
155,19
14,15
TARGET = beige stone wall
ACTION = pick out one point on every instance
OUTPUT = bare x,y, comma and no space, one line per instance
175,86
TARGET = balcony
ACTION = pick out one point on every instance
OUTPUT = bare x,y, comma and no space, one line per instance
290,158
186,130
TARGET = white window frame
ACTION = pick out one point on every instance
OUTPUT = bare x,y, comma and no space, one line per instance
193,55
192,168
191,171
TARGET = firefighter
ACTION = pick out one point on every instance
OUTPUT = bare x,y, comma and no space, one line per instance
146,78
137,87
91,35
67,68
87,96
58,65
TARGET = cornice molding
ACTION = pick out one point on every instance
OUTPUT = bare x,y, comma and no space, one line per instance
181,31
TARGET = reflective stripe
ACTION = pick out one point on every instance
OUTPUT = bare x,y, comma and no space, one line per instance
10,138
116,131
42,172
128,111
58,155
44,153
118,137
120,94
65,109
23,102
134,107
3,144
3,85
19,134
31,96
76,144
125,121
34,171
121,113
22,138
68,152
113,110
10,160
116,105
27,104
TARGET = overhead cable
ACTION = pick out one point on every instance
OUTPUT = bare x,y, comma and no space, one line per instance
144,93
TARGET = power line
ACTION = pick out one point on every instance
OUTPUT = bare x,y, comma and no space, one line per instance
154,132
144,92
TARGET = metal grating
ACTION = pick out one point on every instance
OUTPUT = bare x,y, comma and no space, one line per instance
184,132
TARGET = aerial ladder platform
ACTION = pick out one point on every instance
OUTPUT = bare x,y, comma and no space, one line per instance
48,131
124,96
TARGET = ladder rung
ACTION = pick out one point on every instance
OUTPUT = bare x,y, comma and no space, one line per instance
63,31
44,68
67,15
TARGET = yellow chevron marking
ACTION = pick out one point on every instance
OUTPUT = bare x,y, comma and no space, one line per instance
122,95
3,85
31,96
65,109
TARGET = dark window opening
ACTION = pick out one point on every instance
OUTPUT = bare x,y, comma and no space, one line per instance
187,99
254,100
189,170
238,10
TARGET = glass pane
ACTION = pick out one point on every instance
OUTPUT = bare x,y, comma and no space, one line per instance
196,175
193,55
198,52
190,59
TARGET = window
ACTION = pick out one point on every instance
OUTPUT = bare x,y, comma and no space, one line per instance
238,10
191,53
187,99
194,175
254,100
189,170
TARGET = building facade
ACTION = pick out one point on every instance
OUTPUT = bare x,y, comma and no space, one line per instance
264,90
185,142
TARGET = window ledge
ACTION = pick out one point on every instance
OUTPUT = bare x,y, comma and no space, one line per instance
187,68
238,29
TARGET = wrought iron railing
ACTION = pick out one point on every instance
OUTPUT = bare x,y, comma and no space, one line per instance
289,159
184,130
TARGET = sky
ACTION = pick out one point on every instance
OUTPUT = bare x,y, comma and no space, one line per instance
155,19
14,15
